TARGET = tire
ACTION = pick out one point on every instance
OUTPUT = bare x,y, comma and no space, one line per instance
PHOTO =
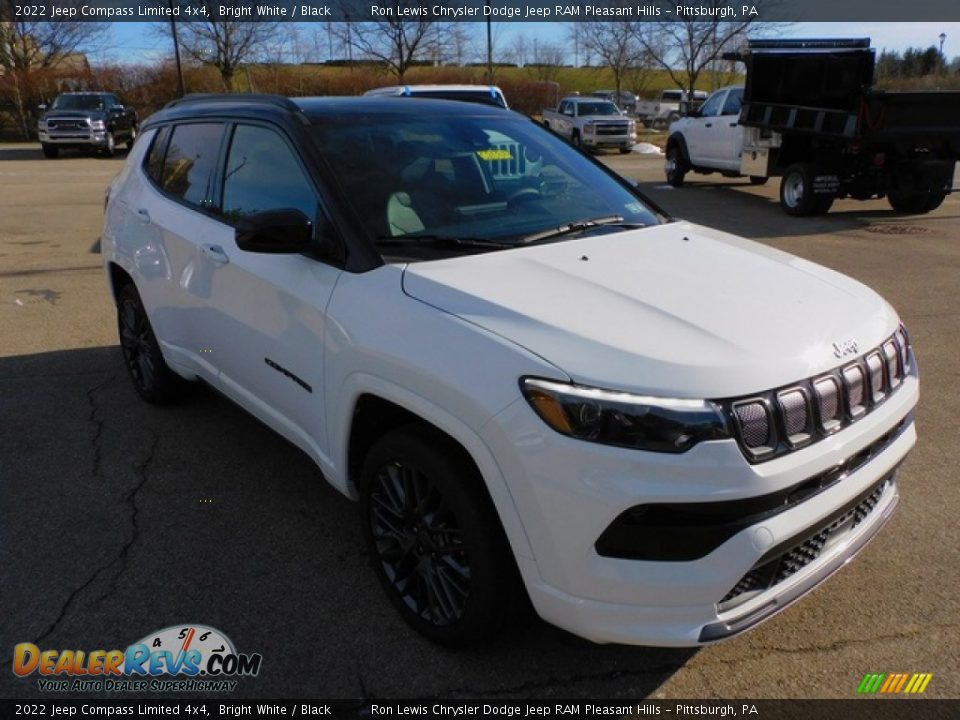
626,151
110,149
758,179
575,140
796,192
153,380
676,166
915,203
50,151
434,537
133,137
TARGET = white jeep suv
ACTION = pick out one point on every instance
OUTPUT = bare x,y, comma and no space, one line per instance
535,383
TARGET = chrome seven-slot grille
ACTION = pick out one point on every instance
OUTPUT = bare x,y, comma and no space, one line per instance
776,422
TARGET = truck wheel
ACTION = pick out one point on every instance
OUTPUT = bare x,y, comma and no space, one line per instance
758,179
133,137
676,166
915,203
626,151
153,380
111,146
433,535
50,151
575,140
796,192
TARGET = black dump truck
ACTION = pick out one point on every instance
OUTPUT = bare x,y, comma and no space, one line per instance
809,113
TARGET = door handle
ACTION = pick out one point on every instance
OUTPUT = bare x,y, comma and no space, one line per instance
215,253
143,215
733,124
708,125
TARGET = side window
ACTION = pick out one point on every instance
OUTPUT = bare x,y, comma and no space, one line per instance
262,173
563,107
189,162
712,106
157,150
733,103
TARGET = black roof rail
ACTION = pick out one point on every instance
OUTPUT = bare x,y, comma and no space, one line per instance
263,98
809,43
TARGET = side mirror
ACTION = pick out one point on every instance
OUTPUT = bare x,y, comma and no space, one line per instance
286,230
42,107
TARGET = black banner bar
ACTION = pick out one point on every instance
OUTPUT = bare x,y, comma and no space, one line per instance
481,10
865,708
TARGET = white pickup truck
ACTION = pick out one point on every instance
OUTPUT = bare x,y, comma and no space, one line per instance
592,124
666,108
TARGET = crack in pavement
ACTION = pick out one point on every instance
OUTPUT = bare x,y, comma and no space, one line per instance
94,418
121,557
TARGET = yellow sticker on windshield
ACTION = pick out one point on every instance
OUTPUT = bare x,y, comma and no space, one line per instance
495,154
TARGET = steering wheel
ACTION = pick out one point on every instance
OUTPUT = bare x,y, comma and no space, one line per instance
522,195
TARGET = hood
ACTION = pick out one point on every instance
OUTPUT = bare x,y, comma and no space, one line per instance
676,309
74,115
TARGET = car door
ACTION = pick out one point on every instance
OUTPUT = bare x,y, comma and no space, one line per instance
266,320
700,133
167,219
727,137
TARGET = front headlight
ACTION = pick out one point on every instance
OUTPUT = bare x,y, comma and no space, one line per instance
98,125
588,128
41,124
614,418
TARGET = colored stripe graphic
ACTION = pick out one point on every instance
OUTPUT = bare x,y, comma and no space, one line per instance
894,683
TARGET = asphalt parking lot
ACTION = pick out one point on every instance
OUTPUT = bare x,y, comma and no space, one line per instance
118,518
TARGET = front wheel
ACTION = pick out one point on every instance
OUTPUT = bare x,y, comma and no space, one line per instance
676,166
133,137
110,146
797,197
50,151
576,141
434,537
626,150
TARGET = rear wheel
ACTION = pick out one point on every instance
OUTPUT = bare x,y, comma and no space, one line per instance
153,380
434,537
797,197
676,166
915,203
50,151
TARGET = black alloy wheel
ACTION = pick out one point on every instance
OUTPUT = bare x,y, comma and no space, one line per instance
153,380
434,537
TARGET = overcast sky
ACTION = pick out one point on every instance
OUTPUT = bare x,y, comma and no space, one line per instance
138,42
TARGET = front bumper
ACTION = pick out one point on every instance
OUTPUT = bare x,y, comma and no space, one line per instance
96,138
569,492
612,141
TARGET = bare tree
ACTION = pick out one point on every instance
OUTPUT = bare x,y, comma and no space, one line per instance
396,43
30,50
685,47
224,44
547,61
617,44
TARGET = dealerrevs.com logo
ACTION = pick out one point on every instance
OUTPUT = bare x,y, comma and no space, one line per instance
180,658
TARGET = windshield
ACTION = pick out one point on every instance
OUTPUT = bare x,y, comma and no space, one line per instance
597,108
78,102
498,182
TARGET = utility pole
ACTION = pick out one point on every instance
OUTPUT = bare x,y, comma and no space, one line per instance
176,51
489,46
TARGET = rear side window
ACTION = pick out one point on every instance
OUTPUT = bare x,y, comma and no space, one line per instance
262,173
190,160
155,156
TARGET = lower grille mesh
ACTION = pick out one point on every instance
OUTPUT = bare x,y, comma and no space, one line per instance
773,572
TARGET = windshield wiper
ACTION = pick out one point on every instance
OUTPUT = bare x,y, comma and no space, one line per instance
577,226
440,240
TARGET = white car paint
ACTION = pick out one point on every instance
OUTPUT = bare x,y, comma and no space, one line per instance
675,310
